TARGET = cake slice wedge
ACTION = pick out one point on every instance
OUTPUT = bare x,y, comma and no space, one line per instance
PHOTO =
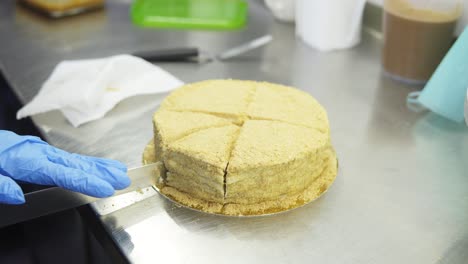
228,99
170,126
282,103
196,163
272,160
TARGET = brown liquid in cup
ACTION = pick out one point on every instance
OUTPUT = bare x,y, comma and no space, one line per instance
415,41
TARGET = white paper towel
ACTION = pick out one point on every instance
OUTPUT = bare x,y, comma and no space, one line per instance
329,24
85,90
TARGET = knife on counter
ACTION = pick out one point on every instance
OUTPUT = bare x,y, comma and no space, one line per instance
192,54
170,55
55,199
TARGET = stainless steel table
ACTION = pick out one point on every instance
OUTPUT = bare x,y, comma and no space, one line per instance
401,195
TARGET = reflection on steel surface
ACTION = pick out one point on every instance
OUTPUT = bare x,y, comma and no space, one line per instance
401,195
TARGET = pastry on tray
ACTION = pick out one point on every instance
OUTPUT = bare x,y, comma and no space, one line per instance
242,147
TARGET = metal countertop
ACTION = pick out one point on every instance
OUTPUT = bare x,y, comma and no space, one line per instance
401,195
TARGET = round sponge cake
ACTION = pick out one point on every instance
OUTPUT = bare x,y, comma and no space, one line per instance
242,147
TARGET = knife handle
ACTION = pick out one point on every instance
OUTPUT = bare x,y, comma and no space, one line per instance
167,55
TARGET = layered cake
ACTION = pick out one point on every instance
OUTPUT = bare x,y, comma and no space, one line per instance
242,148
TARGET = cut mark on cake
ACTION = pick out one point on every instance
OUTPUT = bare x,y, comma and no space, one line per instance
251,99
253,118
196,131
231,117
224,181
236,119
233,144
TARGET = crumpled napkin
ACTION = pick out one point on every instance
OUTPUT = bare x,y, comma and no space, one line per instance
85,90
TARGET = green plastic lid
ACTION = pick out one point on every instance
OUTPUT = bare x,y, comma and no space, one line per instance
190,14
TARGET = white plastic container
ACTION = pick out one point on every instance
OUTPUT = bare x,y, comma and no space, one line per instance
329,24
283,10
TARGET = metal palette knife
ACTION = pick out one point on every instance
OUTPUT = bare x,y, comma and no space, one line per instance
55,199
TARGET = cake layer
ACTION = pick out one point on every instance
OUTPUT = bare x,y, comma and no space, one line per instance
191,201
280,180
282,103
200,187
275,156
285,202
170,126
201,157
282,203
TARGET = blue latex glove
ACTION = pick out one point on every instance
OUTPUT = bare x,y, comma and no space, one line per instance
29,159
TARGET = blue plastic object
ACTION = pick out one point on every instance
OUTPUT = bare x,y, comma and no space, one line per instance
29,159
445,92
10,192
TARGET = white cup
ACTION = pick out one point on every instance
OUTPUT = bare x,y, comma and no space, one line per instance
283,10
329,24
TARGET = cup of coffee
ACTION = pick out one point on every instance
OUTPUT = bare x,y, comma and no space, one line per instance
417,35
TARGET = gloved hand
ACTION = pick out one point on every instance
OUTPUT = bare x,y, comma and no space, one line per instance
29,159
